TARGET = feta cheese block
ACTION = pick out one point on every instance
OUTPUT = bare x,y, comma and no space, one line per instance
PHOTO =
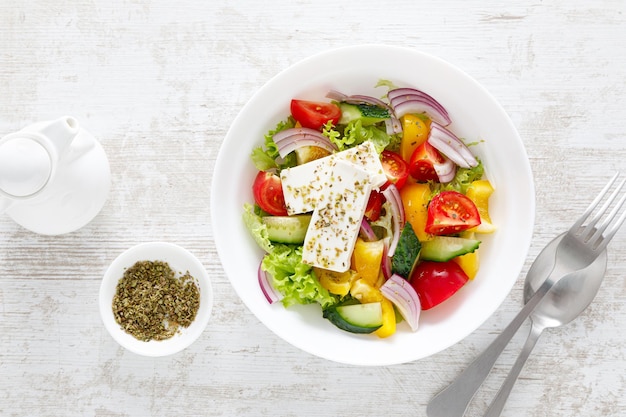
336,220
303,185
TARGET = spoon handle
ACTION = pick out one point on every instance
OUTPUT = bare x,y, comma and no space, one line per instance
455,398
497,405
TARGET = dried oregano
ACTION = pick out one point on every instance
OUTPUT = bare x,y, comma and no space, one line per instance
151,303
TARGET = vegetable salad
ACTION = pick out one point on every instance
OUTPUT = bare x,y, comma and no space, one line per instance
372,208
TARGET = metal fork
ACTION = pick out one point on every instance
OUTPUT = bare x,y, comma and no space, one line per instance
580,246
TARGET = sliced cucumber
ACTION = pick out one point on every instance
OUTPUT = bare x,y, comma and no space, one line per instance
407,252
444,248
356,318
287,229
369,114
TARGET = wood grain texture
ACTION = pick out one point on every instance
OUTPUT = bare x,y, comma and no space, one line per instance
159,84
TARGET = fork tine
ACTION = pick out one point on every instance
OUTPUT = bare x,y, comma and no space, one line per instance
576,226
597,236
589,227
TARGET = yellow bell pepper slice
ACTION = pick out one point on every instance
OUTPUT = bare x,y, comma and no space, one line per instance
469,263
415,197
365,292
338,283
479,192
367,258
415,129
389,320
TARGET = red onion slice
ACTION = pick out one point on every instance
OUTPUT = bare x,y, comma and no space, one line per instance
399,92
451,146
270,293
393,125
386,262
392,195
289,140
402,294
366,232
419,105
336,95
445,171
410,100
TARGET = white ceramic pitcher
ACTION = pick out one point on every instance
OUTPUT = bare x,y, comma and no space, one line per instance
54,176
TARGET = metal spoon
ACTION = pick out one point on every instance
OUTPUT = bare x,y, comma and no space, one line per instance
455,398
573,251
565,301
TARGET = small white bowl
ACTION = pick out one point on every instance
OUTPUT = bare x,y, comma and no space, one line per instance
180,260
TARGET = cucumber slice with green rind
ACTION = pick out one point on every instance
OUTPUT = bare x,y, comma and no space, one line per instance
408,250
444,248
369,114
287,229
356,318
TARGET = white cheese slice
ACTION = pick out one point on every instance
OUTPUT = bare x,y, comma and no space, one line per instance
303,185
336,220
365,157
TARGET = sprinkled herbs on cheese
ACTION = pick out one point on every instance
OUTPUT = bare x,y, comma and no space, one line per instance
336,189
302,185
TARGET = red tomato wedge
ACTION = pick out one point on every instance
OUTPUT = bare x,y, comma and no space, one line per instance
396,169
268,193
451,212
435,282
374,205
314,114
422,163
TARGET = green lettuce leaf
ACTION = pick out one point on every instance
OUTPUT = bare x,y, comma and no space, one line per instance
263,160
386,83
354,133
330,131
295,280
256,227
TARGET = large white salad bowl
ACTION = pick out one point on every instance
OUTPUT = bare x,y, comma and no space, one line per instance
476,117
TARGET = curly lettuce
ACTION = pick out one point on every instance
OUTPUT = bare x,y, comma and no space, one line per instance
354,133
256,227
294,279
386,83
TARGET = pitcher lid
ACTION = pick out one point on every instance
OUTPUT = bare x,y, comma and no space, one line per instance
25,166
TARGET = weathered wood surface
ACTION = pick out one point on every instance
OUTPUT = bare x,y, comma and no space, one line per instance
159,82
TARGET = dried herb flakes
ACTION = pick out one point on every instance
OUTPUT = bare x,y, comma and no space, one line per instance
151,303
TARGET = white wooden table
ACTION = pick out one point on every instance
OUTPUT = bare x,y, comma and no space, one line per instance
159,82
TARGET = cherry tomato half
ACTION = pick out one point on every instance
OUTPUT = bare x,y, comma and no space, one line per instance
422,163
314,114
396,169
435,282
268,193
374,205
451,212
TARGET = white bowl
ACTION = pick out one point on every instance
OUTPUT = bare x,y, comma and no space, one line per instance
180,260
476,116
